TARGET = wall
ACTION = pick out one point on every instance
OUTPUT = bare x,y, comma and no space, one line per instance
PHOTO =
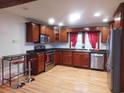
12,35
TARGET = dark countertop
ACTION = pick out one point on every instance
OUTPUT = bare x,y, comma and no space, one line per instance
10,57
81,50
69,49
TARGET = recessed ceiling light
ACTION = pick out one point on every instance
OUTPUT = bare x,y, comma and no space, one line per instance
117,19
97,14
74,17
60,24
51,21
105,20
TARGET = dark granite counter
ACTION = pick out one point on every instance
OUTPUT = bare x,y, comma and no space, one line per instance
80,50
11,57
69,49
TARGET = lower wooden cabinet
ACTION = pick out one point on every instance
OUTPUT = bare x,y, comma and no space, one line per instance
85,60
81,59
41,63
37,63
76,59
57,58
67,58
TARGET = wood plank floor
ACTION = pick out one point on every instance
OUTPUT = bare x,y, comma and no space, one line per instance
63,79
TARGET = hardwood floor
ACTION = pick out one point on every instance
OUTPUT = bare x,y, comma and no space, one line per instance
65,80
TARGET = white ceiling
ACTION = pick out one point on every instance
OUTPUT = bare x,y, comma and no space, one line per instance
61,9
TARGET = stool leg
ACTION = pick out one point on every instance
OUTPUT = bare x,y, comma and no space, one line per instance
30,79
18,85
2,72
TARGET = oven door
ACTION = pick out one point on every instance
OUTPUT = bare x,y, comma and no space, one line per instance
49,61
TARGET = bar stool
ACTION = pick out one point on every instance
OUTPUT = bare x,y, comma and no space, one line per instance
19,84
30,79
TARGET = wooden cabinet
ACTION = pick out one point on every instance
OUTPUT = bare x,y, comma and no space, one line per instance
81,59
67,58
37,63
56,34
50,33
76,59
41,63
104,34
85,60
32,32
63,35
57,58
43,30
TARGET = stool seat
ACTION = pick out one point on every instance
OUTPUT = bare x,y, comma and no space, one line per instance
17,62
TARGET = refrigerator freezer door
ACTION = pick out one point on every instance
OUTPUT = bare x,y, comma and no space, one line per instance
113,64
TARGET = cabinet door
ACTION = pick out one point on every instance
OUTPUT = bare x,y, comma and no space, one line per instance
76,58
43,30
85,60
35,32
50,33
41,63
104,34
57,58
32,32
63,35
67,58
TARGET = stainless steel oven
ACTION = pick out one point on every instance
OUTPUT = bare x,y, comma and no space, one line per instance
49,59
49,56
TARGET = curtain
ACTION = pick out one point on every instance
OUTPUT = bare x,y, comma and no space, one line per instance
93,38
74,39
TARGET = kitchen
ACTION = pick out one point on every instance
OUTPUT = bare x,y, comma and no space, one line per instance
42,47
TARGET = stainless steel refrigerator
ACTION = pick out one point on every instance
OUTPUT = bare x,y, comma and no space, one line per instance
113,64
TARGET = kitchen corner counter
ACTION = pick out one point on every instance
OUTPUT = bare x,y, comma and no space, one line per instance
81,50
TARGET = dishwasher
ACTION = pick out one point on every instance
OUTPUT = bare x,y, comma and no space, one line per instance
97,61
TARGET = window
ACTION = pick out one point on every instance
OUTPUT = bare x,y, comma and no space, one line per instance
85,40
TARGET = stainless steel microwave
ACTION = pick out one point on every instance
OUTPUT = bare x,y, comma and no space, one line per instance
44,38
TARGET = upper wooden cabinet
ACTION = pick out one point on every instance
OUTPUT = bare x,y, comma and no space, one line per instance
50,33
43,30
81,59
104,33
32,32
63,35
